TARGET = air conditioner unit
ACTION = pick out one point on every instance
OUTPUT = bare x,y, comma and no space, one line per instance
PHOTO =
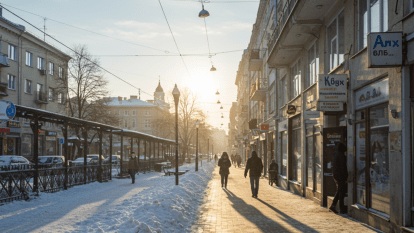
43,72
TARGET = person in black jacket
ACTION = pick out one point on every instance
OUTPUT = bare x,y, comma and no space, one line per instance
255,165
224,164
340,174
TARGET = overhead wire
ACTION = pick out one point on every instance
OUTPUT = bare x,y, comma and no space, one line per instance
172,34
74,51
97,33
162,55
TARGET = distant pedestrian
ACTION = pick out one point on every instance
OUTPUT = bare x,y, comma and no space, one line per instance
224,164
255,165
273,171
232,158
132,166
238,160
215,158
340,174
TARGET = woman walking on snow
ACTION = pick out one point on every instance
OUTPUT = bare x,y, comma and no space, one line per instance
224,164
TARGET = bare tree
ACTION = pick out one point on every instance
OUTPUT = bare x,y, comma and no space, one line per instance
86,90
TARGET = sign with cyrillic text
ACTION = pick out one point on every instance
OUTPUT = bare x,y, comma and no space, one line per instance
385,49
332,87
330,106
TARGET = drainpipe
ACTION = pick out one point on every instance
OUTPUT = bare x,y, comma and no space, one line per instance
19,70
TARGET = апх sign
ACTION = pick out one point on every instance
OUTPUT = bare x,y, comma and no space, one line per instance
385,49
332,88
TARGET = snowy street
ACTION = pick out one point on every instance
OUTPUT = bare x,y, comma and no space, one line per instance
152,204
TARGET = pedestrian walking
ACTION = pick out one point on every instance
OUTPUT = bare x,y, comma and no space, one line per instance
232,158
340,174
132,166
255,165
224,164
215,158
273,172
238,160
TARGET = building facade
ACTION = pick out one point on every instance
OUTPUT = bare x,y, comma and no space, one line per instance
32,74
320,58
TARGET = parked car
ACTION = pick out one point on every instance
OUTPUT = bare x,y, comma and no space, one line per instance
80,161
13,162
95,158
51,161
116,159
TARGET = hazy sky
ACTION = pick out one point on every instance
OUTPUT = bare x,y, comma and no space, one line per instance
142,22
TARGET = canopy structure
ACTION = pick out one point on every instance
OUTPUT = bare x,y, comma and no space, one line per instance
38,115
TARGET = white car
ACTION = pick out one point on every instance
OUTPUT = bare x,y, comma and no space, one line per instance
116,159
80,161
12,162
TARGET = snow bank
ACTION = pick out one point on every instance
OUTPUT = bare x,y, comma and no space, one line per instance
162,208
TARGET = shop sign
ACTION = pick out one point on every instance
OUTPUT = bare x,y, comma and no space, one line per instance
332,87
283,126
264,127
373,94
385,49
311,114
50,138
262,137
13,124
291,109
330,106
7,110
4,130
70,143
51,133
15,130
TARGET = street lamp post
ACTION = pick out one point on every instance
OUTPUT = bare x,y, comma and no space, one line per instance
196,165
176,94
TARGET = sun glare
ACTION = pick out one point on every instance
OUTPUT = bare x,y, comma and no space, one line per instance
203,85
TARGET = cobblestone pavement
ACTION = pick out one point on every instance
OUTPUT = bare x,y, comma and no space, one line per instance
275,210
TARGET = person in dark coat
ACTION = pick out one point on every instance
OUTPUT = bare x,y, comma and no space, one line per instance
255,165
340,174
224,164
273,170
215,158
238,159
132,166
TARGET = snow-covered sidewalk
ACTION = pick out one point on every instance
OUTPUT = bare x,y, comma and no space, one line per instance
153,204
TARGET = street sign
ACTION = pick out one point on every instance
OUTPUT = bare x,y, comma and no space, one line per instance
330,106
61,141
332,87
7,110
385,49
311,114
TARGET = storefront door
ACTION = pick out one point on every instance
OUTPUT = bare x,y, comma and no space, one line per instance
331,138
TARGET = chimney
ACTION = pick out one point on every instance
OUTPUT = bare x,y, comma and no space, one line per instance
133,97
119,98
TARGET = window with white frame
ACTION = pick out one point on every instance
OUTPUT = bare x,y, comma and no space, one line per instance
134,123
313,63
295,73
336,34
125,123
126,112
147,112
60,98
39,88
283,87
29,59
51,68
12,52
372,17
134,112
11,82
28,86
40,63
147,123
60,72
50,94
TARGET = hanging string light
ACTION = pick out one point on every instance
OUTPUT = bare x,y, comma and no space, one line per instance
218,102
221,107
217,93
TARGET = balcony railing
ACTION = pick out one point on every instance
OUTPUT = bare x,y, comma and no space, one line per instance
41,97
283,15
4,60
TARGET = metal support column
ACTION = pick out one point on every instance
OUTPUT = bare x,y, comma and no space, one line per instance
65,148
36,154
110,155
85,154
100,157
122,151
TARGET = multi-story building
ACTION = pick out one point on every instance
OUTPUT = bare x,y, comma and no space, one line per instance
232,129
32,74
329,87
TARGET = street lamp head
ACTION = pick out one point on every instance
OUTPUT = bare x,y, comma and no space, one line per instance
176,94
217,93
213,68
218,102
221,107
197,124
203,13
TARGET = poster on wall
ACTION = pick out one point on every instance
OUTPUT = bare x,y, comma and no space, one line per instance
375,93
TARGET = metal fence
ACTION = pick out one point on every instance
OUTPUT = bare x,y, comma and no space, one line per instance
18,184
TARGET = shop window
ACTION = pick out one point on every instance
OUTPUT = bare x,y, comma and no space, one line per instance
296,154
336,35
373,162
284,157
313,63
309,157
318,158
372,17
